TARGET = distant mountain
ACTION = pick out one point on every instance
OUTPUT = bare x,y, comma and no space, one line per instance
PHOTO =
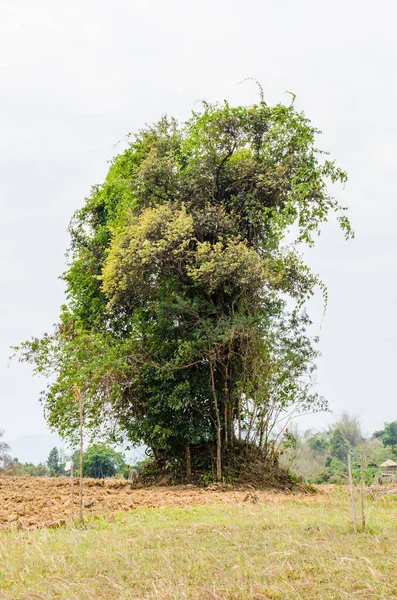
34,448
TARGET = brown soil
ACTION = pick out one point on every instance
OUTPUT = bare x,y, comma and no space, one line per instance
30,502
379,491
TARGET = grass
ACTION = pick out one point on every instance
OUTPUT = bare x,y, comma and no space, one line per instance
275,550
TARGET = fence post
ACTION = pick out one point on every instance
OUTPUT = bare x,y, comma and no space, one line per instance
79,399
349,467
71,491
362,460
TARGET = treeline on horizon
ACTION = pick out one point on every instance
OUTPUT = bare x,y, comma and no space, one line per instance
99,460
315,456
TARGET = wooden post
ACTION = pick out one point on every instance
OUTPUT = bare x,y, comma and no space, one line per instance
81,462
71,492
79,399
349,467
362,458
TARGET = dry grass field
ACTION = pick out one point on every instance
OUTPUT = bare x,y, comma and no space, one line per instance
177,543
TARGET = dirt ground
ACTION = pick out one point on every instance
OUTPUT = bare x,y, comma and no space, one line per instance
30,502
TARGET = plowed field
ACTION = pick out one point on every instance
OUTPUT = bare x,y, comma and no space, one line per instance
30,502
239,545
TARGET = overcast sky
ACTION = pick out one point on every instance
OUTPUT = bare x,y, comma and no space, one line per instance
77,76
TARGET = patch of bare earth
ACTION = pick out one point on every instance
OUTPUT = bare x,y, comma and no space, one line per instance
30,502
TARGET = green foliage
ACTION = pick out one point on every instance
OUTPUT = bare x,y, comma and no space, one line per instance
40,470
318,443
143,464
184,322
99,460
229,475
207,479
338,445
388,435
55,464
335,471
350,427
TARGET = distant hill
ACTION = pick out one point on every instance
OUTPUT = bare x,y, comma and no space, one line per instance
34,448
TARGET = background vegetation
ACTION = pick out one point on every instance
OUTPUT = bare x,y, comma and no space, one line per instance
321,457
99,460
314,456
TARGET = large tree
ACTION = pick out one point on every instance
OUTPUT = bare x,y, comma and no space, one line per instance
184,325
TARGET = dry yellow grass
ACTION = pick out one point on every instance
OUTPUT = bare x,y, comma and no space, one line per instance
273,550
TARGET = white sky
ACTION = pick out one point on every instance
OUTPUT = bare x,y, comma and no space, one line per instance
77,76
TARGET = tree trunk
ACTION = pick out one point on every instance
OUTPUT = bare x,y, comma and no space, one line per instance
188,463
223,406
230,423
226,428
229,415
239,418
261,430
218,426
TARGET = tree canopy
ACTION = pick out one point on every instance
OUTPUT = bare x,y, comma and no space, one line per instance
99,460
184,324
339,446
388,435
55,463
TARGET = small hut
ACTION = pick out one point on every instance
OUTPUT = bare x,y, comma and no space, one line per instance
389,468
